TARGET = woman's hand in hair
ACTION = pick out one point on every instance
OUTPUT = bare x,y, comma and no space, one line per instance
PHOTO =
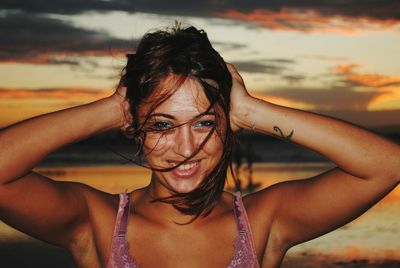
240,99
126,116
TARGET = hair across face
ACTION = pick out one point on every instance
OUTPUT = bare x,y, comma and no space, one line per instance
165,63
182,135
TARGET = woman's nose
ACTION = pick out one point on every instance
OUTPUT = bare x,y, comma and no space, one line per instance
185,143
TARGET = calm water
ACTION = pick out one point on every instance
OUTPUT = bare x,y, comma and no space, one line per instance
374,237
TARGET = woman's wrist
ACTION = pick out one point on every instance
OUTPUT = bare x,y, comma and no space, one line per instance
125,116
114,112
245,117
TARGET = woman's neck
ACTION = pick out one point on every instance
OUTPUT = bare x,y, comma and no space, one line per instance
159,211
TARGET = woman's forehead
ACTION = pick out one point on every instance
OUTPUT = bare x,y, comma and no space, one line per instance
186,98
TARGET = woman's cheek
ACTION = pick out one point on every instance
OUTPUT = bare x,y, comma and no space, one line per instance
213,146
156,144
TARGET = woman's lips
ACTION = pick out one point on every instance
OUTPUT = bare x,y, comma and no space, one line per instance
186,170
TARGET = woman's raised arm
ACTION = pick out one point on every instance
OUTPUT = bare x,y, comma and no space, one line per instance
368,167
32,203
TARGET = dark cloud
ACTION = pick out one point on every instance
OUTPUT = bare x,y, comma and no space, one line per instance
281,61
383,9
64,7
228,46
43,40
266,66
257,67
294,79
180,7
335,98
27,34
325,58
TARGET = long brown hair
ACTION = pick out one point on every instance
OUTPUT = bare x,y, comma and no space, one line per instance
186,53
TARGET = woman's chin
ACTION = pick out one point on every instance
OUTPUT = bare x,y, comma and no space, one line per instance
175,184
183,189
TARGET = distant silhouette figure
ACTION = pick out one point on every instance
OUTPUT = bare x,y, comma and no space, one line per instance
238,157
244,157
249,158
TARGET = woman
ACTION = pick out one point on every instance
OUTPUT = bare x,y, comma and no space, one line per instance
182,104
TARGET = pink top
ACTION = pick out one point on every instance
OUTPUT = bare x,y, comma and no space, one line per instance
244,256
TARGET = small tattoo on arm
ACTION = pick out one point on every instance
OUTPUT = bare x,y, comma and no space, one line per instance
281,135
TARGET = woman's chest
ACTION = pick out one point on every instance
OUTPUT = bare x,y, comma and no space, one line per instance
212,245
150,245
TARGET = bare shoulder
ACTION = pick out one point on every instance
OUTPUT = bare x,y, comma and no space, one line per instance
262,204
256,204
261,209
95,198
102,206
266,201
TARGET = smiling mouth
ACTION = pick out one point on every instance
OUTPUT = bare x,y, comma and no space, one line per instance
187,166
187,169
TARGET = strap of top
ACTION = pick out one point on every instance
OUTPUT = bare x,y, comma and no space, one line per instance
125,206
242,221
119,254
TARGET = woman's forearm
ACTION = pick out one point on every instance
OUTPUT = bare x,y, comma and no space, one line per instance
353,149
26,143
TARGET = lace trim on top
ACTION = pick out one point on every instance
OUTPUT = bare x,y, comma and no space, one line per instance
244,256
119,256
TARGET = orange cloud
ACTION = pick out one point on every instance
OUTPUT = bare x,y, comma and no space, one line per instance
60,57
64,93
309,20
20,104
369,80
388,86
285,101
346,68
388,100
374,80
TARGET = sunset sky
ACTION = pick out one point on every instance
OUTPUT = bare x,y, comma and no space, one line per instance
338,57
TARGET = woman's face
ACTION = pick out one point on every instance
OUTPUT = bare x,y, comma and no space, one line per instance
169,146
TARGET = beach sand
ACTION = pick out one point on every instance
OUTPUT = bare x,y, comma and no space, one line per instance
35,254
306,260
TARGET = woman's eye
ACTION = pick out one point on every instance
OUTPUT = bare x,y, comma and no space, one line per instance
162,125
206,123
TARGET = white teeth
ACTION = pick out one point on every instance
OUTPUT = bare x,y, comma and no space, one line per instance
187,166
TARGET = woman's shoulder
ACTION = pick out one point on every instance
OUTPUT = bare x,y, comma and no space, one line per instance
101,206
96,197
260,205
263,200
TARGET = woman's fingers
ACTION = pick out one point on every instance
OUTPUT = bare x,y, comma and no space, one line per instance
120,96
121,91
239,96
234,72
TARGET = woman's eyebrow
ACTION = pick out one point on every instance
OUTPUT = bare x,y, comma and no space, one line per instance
163,115
173,117
204,114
